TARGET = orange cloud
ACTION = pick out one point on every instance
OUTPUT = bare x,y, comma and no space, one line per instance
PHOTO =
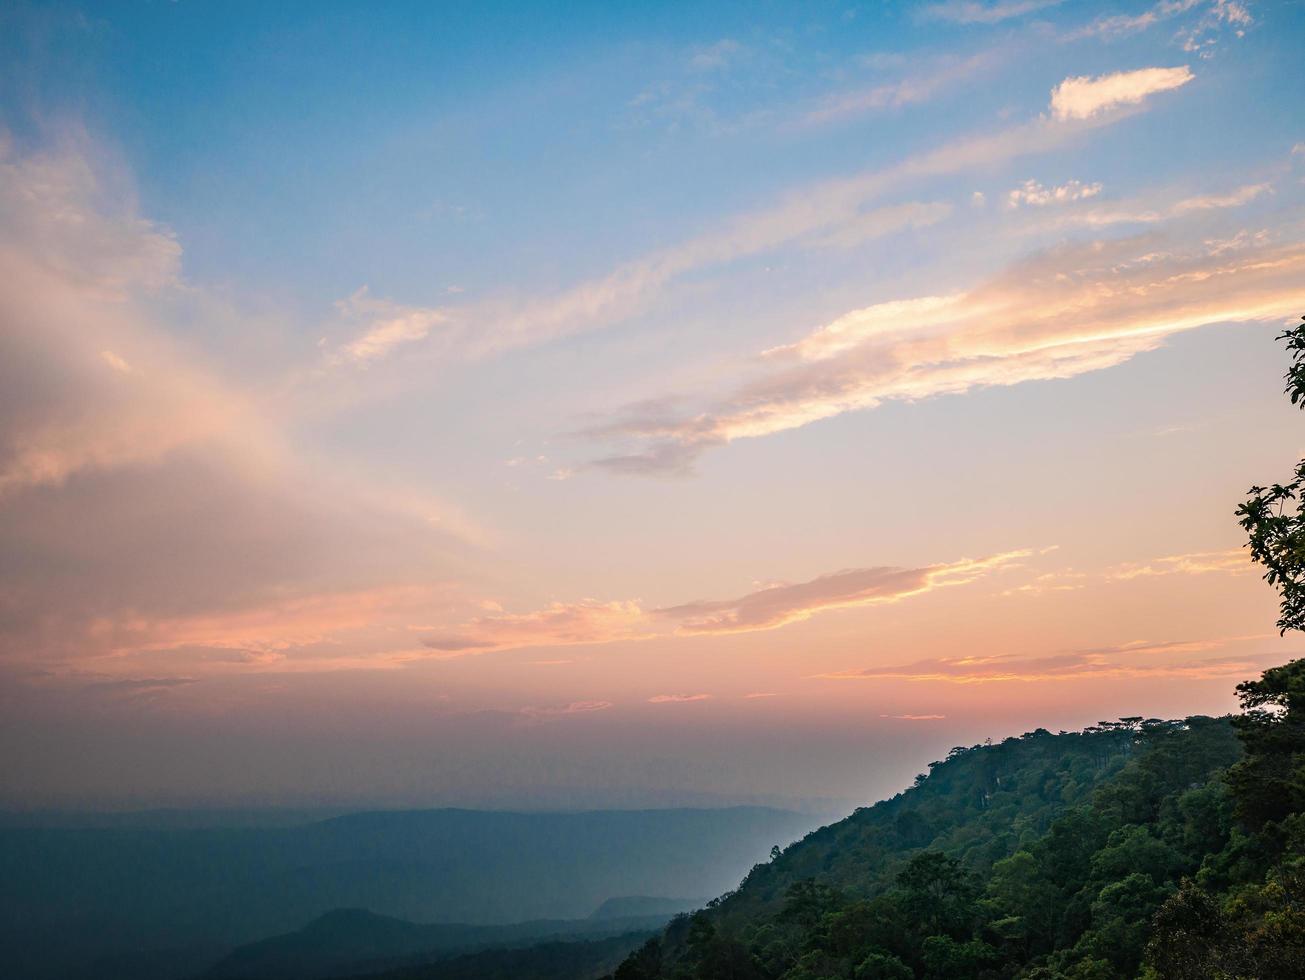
1137,211
592,621
1066,581
783,604
559,624
1060,667
1236,561
1062,313
678,698
266,631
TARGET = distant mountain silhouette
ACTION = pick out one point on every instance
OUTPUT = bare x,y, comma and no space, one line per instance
151,896
357,941
630,906
575,960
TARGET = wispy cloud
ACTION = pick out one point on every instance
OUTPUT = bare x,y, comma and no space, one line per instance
558,624
1147,212
1031,192
835,212
1234,199
386,325
915,717
976,12
1236,561
562,711
139,687
1199,37
1233,562
592,621
1083,97
1059,667
714,57
1065,581
782,604
1058,314
913,89
1120,25
1219,16
678,698
880,222
116,362
264,632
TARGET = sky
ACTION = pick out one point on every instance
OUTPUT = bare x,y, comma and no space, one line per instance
605,404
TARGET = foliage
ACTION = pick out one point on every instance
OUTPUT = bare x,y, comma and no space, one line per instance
1048,853
1274,516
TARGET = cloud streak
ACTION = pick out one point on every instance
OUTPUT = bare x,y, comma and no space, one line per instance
388,325
592,621
574,708
833,213
912,90
975,12
558,624
1036,195
1083,97
783,604
1061,313
1235,561
1060,667
1138,213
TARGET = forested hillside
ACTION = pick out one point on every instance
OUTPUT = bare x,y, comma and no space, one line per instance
1045,851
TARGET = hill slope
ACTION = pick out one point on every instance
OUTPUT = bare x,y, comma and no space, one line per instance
1046,849
357,941
586,959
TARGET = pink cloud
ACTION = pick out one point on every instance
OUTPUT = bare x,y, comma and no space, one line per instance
1065,312
779,605
1059,667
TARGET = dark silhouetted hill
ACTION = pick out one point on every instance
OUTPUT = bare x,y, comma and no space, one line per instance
356,941
579,960
158,894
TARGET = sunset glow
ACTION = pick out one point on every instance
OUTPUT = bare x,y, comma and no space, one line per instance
641,404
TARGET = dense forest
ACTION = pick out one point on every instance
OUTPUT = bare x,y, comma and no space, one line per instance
1139,848
1169,849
